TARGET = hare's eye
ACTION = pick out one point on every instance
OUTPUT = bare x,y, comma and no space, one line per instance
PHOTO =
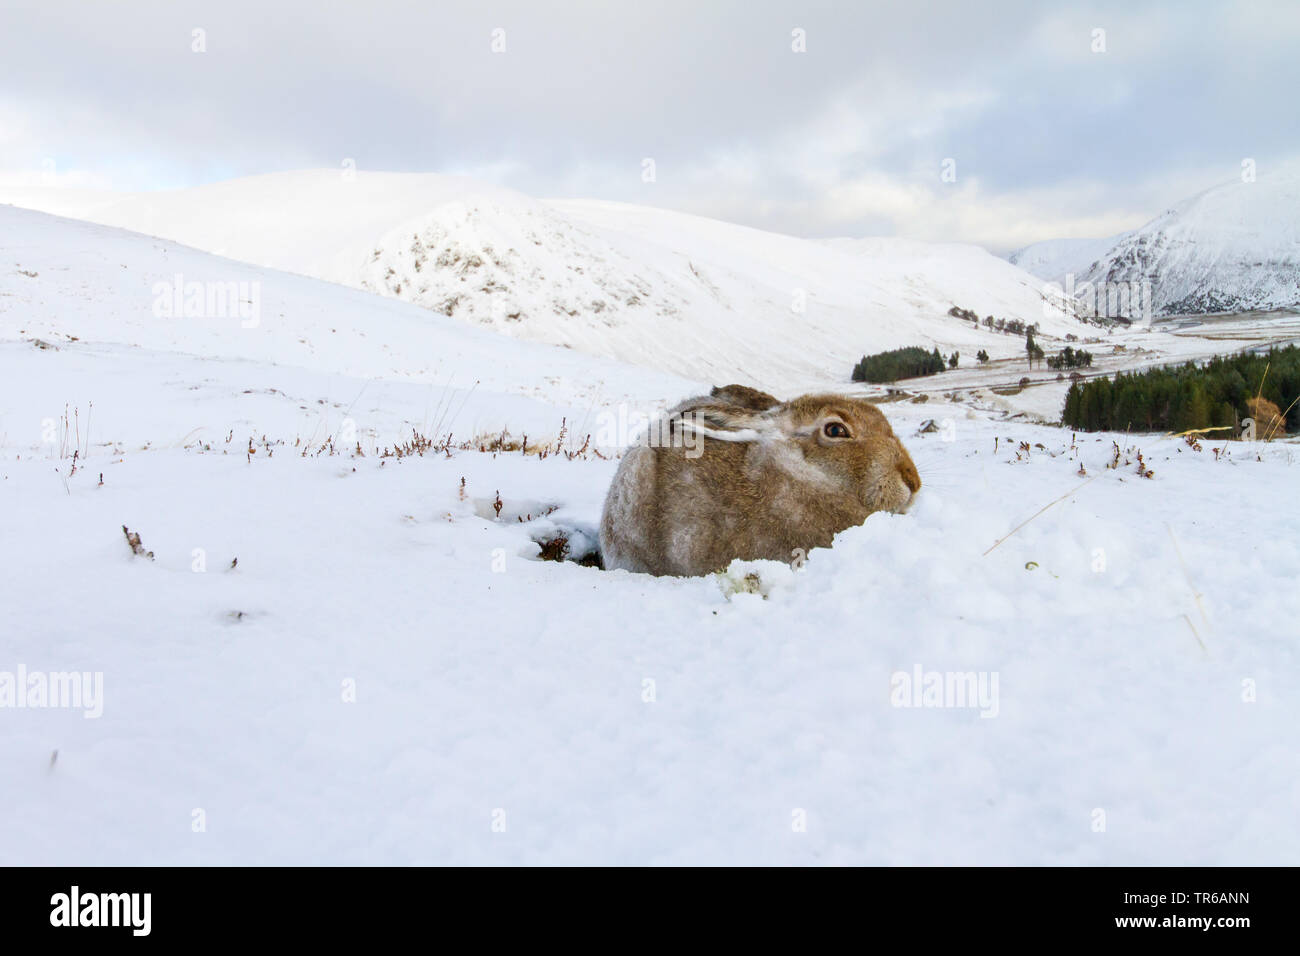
835,430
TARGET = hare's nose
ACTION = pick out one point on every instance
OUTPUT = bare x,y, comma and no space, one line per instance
910,476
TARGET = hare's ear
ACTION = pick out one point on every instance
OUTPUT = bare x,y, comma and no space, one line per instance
711,419
745,397
724,418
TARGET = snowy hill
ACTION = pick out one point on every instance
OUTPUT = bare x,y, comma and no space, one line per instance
690,296
1232,248
92,295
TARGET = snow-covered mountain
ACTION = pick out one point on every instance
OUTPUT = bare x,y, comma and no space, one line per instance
682,294
1230,248
1052,259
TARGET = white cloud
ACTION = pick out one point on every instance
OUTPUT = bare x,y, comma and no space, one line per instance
1049,138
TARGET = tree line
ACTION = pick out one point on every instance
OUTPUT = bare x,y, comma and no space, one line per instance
1220,393
898,363
1007,326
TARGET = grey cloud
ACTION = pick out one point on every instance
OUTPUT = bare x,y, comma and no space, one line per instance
585,90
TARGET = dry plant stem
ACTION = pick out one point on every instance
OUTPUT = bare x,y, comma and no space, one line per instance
1039,512
1196,595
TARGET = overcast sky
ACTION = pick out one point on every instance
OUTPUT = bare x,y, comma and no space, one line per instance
1047,137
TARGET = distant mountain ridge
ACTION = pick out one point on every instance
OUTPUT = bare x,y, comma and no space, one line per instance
1234,247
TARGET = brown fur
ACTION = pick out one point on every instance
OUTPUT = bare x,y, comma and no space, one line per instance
780,483
745,397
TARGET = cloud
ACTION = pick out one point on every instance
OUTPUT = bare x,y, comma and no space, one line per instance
1047,134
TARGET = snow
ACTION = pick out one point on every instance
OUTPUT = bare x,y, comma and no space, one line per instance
681,294
1231,248
1228,249
313,222
1053,259
511,710
66,280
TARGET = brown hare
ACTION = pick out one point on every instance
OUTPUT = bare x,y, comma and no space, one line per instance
747,476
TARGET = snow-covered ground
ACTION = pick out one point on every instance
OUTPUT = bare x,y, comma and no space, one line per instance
620,718
388,674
